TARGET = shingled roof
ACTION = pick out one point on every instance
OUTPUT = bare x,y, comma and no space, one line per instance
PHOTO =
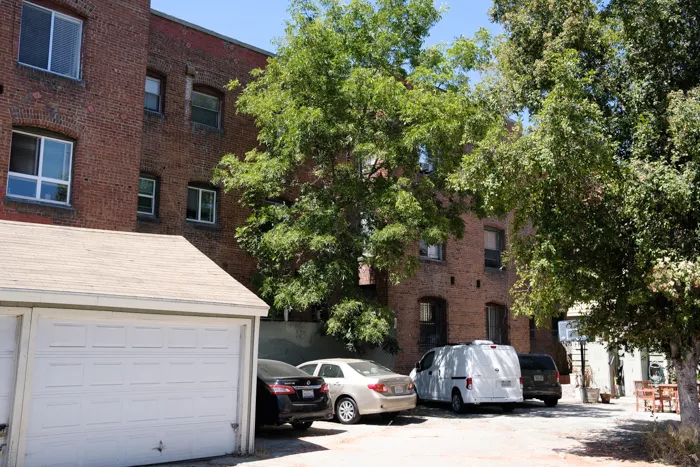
51,265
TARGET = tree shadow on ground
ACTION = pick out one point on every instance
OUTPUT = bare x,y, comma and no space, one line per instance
527,409
622,442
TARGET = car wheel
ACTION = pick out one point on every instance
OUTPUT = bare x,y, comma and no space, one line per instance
301,426
347,412
457,402
389,416
508,408
551,402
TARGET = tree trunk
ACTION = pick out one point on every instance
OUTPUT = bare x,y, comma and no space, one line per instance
686,372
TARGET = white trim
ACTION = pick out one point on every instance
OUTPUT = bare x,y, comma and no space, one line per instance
27,393
151,196
250,442
40,178
199,204
23,316
68,18
82,300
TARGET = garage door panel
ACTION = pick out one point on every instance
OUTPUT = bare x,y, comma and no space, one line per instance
129,392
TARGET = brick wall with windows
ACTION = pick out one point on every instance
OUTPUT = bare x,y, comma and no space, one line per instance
190,122
466,283
71,105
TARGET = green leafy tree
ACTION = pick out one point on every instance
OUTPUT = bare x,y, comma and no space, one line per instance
346,111
604,182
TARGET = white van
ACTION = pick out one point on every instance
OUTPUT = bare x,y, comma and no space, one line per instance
479,372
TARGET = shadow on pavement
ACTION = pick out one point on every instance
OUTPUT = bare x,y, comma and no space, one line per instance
622,442
527,409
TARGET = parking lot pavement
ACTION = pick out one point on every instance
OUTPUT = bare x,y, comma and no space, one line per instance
570,434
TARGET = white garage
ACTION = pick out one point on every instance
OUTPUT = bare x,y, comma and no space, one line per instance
121,349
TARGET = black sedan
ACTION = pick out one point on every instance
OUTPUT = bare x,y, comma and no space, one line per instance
285,394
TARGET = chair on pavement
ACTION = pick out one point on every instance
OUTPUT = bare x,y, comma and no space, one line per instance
644,391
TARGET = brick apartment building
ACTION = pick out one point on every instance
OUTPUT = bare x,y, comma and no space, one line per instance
112,116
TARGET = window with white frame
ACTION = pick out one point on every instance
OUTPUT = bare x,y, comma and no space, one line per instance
201,205
153,97
50,40
436,252
147,195
493,247
40,168
205,109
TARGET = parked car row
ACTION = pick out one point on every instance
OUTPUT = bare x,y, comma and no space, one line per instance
475,373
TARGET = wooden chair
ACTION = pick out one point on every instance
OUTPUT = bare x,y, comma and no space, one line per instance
668,395
644,391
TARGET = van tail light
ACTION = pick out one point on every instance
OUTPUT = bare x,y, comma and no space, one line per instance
557,376
379,387
282,389
521,382
324,388
470,383
411,386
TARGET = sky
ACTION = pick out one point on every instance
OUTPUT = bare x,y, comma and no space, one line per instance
258,22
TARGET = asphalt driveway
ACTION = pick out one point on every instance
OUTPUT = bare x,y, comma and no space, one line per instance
570,434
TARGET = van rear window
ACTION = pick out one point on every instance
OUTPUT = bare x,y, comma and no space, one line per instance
535,362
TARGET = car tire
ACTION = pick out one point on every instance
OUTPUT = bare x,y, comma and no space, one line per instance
457,402
346,411
508,408
551,402
301,426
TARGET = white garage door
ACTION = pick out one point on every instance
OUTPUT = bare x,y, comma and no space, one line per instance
121,393
8,346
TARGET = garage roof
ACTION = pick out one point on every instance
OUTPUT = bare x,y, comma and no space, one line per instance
69,266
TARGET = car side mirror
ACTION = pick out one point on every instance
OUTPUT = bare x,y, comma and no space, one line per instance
418,366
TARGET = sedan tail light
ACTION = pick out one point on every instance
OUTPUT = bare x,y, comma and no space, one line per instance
324,387
282,389
379,387
411,386
470,383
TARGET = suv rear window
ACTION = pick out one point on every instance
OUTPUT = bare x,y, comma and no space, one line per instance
370,369
536,362
272,369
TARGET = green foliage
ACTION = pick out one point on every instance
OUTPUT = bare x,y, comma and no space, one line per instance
604,181
344,111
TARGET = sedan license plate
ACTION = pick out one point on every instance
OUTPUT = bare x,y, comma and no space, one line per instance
505,384
398,389
307,393
539,378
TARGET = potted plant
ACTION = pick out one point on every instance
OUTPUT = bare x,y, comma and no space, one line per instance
592,393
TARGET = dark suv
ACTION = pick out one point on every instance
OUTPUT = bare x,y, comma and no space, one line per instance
540,378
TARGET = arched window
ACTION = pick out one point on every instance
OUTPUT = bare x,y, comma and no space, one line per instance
497,323
433,323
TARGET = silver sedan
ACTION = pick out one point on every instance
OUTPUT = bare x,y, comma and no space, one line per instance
362,387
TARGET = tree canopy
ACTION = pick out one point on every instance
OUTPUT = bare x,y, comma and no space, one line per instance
605,178
347,110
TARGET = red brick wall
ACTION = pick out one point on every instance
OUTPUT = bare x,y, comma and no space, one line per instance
178,152
102,111
466,304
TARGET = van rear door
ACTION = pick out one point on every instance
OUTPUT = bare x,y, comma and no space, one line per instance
506,372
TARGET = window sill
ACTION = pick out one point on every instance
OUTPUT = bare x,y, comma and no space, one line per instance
204,226
495,270
206,128
13,201
141,217
152,115
432,261
41,73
